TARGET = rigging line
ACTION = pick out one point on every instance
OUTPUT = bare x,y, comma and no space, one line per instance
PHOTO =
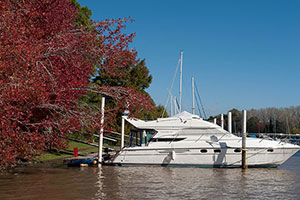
171,87
200,101
197,102
177,103
176,106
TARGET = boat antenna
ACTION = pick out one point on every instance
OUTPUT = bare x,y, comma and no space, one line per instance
180,83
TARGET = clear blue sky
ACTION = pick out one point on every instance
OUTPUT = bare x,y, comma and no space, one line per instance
243,54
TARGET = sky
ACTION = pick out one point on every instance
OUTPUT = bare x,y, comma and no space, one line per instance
242,54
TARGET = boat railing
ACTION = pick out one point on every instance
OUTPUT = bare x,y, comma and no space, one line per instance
291,138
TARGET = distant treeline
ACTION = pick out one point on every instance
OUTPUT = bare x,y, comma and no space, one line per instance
266,120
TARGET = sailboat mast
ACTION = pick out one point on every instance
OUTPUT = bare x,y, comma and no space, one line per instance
180,84
171,105
193,94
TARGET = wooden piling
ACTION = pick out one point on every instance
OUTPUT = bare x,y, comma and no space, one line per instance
229,122
244,150
222,121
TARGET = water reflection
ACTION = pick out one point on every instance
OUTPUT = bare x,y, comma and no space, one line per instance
64,183
99,183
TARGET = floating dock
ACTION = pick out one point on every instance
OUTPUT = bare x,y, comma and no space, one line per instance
79,160
87,160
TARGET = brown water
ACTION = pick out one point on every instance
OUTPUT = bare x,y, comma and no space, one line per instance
63,183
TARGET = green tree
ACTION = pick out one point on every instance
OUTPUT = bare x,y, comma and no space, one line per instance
84,15
137,76
236,120
252,125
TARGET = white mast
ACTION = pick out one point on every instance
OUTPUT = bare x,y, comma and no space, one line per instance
193,94
180,84
171,105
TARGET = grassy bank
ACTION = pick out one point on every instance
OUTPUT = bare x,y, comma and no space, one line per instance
83,149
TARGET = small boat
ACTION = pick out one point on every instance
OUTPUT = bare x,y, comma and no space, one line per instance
187,140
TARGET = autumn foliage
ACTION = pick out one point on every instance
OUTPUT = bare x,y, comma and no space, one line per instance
46,63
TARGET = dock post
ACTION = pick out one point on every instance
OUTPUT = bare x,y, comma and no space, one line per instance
229,122
222,121
122,132
244,150
101,133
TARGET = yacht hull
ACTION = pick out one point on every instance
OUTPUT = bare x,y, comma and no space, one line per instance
227,157
188,140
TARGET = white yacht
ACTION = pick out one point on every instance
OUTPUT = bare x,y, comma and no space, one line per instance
188,140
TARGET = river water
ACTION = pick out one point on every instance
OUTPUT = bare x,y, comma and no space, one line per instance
63,183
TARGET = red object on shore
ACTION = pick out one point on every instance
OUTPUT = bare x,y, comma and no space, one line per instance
75,152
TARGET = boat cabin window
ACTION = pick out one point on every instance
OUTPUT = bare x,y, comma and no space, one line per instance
203,150
217,150
270,150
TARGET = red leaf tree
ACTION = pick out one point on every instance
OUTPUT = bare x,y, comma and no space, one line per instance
46,63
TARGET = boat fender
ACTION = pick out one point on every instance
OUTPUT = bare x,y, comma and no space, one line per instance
173,155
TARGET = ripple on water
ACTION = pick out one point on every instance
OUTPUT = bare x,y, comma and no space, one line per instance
151,183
